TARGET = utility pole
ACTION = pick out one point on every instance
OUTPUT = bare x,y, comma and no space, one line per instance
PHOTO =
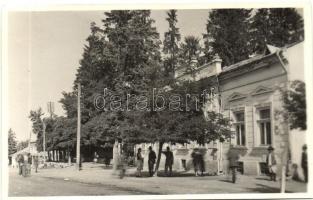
50,107
78,128
44,141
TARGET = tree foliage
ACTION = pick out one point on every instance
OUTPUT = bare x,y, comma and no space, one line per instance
190,51
295,105
12,143
276,26
170,44
227,35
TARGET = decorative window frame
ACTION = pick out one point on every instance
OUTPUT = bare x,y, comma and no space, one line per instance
235,110
257,120
236,96
261,90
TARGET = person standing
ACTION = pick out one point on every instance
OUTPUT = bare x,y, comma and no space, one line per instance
304,162
233,158
271,163
139,162
195,160
36,163
29,164
151,160
20,161
169,159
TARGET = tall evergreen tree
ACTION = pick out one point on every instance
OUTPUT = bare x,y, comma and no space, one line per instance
170,44
276,26
227,35
12,143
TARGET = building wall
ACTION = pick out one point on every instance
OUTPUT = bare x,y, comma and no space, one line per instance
250,93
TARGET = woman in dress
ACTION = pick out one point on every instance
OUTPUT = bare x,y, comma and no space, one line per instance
139,162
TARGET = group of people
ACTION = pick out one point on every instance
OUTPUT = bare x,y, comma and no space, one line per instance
197,157
271,163
169,160
24,164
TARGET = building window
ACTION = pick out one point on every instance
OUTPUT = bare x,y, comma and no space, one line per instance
265,126
240,128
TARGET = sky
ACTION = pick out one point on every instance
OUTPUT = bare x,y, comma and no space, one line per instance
44,49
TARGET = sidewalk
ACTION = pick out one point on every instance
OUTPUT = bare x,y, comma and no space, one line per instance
187,184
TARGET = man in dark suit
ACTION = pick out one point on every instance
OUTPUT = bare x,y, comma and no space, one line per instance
151,160
304,163
169,160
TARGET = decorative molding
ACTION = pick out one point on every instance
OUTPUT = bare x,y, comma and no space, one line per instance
261,90
237,109
236,96
263,105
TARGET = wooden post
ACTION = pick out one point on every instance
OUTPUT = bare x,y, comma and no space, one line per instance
78,129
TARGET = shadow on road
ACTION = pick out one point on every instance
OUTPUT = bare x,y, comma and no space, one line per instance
161,173
266,189
227,181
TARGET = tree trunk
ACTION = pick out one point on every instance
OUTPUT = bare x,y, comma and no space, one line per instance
159,157
115,154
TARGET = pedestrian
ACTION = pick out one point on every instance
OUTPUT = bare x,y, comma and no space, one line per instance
151,161
20,160
201,163
233,158
139,163
29,164
195,160
169,159
304,162
25,170
271,163
36,163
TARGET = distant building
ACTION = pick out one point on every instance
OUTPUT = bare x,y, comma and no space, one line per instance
247,92
31,148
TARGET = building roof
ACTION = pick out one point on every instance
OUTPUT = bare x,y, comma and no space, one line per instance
244,63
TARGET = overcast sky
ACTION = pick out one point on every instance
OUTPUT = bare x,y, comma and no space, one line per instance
44,49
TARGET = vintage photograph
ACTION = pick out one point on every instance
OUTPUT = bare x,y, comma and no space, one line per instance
156,102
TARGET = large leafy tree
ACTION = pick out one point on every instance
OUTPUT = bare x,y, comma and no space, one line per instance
227,35
182,118
275,26
170,44
12,143
295,105
118,58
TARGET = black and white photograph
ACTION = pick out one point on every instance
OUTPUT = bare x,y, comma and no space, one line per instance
172,101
